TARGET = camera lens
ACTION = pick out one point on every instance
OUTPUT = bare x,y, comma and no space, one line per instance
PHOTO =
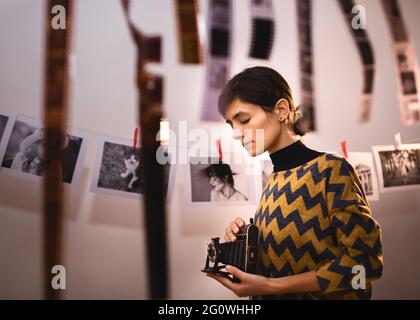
211,252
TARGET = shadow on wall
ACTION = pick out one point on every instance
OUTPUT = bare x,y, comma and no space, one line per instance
29,195
117,211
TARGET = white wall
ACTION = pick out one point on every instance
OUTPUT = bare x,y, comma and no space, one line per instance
104,254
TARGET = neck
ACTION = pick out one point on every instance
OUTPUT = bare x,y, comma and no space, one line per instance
227,191
291,156
286,139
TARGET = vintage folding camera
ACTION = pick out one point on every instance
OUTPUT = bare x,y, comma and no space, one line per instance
241,253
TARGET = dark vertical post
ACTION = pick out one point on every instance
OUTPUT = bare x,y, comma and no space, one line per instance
55,110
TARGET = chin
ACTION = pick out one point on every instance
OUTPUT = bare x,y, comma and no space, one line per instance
254,153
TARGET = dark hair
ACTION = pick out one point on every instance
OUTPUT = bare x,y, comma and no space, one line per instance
220,170
264,87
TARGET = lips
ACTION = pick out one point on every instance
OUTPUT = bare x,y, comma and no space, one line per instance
247,144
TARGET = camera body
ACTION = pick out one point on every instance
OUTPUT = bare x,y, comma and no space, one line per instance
241,253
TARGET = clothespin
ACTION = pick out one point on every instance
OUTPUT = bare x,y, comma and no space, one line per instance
219,149
136,135
397,141
344,148
164,132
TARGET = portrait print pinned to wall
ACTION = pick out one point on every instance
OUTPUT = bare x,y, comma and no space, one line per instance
24,152
118,170
6,123
214,183
398,170
4,119
266,171
363,164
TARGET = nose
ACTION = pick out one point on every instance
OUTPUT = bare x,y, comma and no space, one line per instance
238,133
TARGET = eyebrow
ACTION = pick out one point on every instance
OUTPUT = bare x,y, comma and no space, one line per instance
236,116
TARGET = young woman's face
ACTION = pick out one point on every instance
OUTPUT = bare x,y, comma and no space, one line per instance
216,183
247,120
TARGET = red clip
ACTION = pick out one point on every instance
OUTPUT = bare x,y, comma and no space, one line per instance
344,148
136,134
219,149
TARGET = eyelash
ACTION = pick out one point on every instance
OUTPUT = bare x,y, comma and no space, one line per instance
245,121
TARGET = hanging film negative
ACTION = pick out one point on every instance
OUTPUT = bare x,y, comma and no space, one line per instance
188,36
262,29
304,13
219,24
57,67
364,47
150,89
406,64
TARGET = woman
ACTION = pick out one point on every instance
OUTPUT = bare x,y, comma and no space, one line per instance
317,239
223,187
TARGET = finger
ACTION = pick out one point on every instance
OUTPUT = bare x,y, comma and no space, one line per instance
234,227
224,281
240,222
229,235
236,272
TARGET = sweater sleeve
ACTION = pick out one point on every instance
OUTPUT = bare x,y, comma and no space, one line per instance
357,234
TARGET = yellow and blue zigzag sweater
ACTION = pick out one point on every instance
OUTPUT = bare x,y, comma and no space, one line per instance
316,217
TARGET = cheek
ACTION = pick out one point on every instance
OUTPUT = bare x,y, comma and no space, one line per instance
263,125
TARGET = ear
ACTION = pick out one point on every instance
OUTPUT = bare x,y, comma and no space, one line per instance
282,109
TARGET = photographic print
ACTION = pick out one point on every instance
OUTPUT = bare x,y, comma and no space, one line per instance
4,119
24,152
266,171
118,170
363,164
6,122
398,169
214,183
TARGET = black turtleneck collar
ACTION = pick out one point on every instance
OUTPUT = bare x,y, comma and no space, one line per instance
294,155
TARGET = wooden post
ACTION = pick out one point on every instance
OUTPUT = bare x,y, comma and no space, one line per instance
55,111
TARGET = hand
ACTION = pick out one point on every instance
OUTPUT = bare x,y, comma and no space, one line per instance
250,285
233,229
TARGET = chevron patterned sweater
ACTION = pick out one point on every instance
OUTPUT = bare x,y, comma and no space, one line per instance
316,217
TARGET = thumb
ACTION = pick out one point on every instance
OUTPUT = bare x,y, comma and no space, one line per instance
238,273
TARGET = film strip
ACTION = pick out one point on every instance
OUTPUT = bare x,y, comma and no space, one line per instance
263,29
366,54
304,13
406,64
58,48
219,24
150,88
188,34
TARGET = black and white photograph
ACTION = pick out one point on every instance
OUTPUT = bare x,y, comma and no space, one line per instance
212,182
24,152
6,123
362,162
118,170
4,119
266,171
398,170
